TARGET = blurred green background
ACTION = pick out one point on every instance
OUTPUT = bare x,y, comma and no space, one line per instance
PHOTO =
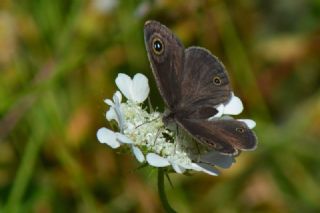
58,62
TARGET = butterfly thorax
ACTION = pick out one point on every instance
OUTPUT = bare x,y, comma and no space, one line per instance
170,117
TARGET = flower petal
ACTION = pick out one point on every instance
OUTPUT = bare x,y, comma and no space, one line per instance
111,115
138,154
178,168
220,109
122,138
215,158
250,123
196,167
156,160
234,107
109,102
124,83
108,137
140,88
117,95
206,168
118,112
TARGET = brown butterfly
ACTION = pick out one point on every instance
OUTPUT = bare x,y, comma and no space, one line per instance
192,83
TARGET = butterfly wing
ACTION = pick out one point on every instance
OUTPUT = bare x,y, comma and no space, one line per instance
166,56
204,84
226,135
192,83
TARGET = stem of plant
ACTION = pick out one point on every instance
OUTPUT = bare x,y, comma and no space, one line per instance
162,193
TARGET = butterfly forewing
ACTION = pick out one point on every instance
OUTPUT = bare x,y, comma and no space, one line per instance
167,63
205,84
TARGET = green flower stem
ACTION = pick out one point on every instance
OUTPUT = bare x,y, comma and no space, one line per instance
161,191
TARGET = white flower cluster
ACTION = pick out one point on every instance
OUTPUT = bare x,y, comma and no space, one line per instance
148,138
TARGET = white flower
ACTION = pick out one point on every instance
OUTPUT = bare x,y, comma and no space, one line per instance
233,107
148,138
115,139
136,89
250,123
157,161
115,112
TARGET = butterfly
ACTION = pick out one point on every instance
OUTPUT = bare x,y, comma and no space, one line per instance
192,83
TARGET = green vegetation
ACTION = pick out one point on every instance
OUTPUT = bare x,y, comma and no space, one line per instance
58,62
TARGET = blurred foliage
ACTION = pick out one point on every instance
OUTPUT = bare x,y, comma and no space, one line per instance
58,62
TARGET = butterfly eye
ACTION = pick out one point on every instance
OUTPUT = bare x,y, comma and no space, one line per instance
240,130
217,80
158,46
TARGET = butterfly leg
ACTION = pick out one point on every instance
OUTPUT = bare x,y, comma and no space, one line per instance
157,135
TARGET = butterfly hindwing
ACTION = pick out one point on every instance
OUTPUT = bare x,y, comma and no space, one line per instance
226,135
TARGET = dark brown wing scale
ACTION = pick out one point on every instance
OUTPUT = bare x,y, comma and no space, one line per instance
204,85
167,66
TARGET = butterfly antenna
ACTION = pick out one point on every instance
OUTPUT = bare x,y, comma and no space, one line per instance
157,135
147,122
